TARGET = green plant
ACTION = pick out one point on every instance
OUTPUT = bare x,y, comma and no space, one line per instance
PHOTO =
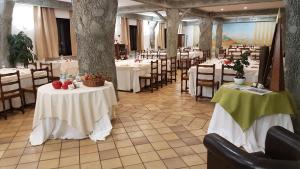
20,48
239,64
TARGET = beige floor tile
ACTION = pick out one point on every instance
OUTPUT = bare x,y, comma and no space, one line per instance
106,146
200,148
149,156
50,155
91,165
69,152
136,134
17,145
167,153
144,148
9,161
47,164
33,150
191,160
176,143
126,151
170,136
108,154
173,163
84,158
71,167
111,163
67,161
32,165
52,147
203,156
12,153
130,160
71,144
155,165
136,166
30,158
86,142
183,151
155,138
160,145
123,143
139,141
204,166
88,149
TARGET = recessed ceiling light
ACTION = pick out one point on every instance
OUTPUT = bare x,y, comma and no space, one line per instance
245,7
222,9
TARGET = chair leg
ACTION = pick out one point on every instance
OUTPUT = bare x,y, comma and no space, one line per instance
22,104
4,110
201,90
181,85
140,84
213,91
151,85
196,93
186,88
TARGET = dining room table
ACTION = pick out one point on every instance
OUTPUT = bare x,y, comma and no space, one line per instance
128,72
244,114
251,75
73,114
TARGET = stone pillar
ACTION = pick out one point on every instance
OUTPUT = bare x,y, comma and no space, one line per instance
95,27
152,26
292,54
173,20
205,39
219,36
6,10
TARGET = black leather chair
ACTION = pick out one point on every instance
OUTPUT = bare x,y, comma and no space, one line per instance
282,151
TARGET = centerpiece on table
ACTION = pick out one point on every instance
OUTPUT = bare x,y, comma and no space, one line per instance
94,80
238,66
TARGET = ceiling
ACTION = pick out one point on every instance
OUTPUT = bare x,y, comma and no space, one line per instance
239,7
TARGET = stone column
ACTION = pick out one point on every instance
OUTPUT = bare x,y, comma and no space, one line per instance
6,10
152,26
219,36
205,39
173,20
95,27
292,54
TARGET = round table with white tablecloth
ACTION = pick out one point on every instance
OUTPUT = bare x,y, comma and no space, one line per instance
73,114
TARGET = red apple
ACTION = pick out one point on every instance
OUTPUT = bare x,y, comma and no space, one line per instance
65,86
68,82
56,84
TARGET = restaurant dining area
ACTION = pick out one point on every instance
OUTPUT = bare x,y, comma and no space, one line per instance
150,84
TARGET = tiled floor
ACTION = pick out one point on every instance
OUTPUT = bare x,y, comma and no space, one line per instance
156,130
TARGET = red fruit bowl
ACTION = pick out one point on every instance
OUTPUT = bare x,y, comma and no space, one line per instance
57,84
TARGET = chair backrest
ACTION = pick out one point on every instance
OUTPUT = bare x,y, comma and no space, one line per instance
164,64
154,68
206,54
184,55
50,68
225,74
39,75
10,84
173,64
205,73
185,65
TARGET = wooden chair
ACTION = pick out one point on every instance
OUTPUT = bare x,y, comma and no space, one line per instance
39,77
226,74
152,77
11,89
30,65
173,70
185,65
222,53
163,74
208,81
50,71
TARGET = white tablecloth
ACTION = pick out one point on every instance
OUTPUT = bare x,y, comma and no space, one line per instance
251,74
73,114
128,72
63,66
253,139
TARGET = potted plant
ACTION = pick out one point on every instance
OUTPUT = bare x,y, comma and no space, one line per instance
20,49
238,66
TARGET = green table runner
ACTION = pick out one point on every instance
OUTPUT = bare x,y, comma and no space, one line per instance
246,107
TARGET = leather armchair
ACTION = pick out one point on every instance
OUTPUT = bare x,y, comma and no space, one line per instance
282,151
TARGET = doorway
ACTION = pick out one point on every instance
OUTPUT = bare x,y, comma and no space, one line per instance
133,37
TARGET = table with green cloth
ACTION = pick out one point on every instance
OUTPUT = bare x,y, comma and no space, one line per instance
244,117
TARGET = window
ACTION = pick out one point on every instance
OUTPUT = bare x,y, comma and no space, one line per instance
64,39
133,36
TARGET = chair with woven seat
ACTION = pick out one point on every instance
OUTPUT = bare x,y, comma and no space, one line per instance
163,73
225,75
205,78
173,70
185,65
50,70
39,77
10,87
152,77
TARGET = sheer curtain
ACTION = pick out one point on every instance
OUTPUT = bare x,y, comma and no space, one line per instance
46,36
73,35
125,36
160,36
140,35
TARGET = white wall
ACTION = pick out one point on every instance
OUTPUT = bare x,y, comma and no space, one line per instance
188,30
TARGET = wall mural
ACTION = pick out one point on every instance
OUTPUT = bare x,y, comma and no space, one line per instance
249,33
